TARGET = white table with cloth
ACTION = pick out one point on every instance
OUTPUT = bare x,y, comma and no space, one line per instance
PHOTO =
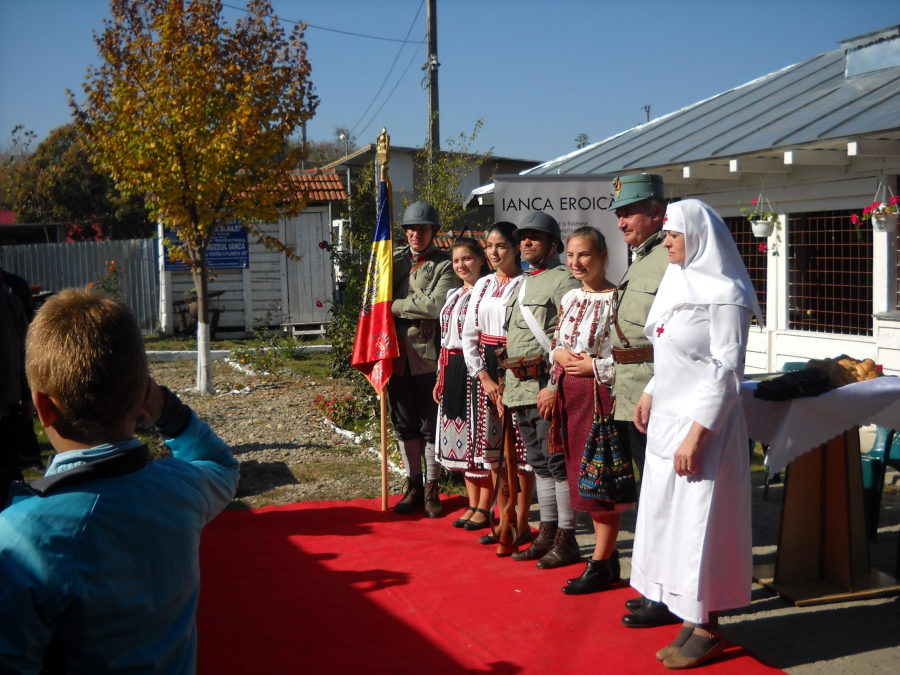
822,550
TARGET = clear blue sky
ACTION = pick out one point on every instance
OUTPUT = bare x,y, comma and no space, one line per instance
538,72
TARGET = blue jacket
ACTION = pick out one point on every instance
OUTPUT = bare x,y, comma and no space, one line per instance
113,565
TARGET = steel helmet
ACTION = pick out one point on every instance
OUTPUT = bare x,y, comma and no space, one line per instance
538,221
421,213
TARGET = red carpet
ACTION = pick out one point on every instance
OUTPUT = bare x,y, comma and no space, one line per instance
341,587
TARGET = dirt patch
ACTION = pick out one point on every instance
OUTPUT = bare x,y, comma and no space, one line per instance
285,451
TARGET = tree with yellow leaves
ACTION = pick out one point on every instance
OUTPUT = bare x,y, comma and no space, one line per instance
194,114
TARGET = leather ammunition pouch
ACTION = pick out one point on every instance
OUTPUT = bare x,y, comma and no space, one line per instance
523,367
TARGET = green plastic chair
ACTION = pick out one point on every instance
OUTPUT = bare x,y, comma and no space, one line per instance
884,453
791,366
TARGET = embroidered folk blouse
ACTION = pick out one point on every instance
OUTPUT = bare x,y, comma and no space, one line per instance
486,315
584,324
453,315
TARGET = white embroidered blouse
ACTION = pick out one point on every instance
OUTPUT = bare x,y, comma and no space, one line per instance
585,321
486,315
453,315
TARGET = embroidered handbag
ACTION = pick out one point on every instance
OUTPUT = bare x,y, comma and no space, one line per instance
606,472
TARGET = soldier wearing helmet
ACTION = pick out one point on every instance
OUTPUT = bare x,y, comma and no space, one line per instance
422,277
531,321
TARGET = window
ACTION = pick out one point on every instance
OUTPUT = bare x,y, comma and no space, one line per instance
754,255
830,273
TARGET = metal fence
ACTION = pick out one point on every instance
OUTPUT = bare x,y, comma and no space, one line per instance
59,266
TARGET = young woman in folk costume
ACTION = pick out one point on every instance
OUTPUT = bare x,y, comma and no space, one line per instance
482,334
582,374
453,391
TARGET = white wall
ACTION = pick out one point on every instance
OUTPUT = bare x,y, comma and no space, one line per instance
259,295
810,189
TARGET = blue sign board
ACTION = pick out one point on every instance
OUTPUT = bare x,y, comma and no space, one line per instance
227,250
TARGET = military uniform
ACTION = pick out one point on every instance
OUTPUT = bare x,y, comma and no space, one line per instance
418,298
633,300
543,295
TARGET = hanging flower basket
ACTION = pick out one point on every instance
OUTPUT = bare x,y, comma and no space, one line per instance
882,212
762,228
885,223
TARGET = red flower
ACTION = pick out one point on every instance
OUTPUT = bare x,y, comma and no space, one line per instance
894,200
763,248
854,219
318,303
753,202
867,210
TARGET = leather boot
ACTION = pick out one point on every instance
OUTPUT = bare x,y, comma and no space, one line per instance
565,551
616,569
433,508
542,543
413,497
597,576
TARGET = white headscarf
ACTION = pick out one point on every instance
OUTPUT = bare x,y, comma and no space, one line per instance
713,272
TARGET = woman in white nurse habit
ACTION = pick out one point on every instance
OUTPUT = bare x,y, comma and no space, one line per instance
692,547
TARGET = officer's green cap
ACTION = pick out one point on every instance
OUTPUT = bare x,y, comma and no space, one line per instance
637,187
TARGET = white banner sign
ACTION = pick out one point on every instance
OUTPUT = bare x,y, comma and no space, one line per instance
573,201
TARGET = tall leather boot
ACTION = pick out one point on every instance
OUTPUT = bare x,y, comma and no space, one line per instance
565,551
413,497
542,543
433,508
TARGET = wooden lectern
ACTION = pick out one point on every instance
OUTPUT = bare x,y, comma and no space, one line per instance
823,555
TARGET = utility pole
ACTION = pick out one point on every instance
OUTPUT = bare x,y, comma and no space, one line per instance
434,127
303,144
647,113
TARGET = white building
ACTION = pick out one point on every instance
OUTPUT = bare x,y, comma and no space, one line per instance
817,140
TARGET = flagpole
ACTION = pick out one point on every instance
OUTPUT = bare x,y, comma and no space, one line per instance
383,155
384,458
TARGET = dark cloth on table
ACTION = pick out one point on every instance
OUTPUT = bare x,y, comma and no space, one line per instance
797,384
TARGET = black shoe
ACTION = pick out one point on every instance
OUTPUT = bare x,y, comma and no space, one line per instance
635,604
616,569
652,614
472,525
461,522
597,576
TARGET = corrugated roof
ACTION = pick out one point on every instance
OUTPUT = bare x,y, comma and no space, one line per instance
809,102
321,185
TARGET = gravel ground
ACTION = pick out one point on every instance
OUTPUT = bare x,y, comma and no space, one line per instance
285,451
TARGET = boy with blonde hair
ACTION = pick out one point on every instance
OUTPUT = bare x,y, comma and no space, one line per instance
99,565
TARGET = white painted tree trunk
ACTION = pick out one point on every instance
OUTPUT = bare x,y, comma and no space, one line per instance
204,359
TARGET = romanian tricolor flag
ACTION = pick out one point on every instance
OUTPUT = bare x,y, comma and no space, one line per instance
376,338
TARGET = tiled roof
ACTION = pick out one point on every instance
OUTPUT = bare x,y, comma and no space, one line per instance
321,185
7,217
445,241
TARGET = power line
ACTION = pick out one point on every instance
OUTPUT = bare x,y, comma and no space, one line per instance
416,53
335,30
390,70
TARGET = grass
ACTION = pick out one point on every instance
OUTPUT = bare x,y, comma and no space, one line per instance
757,464
170,343
316,365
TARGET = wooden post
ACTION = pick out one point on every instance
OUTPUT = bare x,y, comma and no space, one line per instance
384,458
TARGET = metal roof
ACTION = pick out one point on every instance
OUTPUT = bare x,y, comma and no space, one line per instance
811,102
